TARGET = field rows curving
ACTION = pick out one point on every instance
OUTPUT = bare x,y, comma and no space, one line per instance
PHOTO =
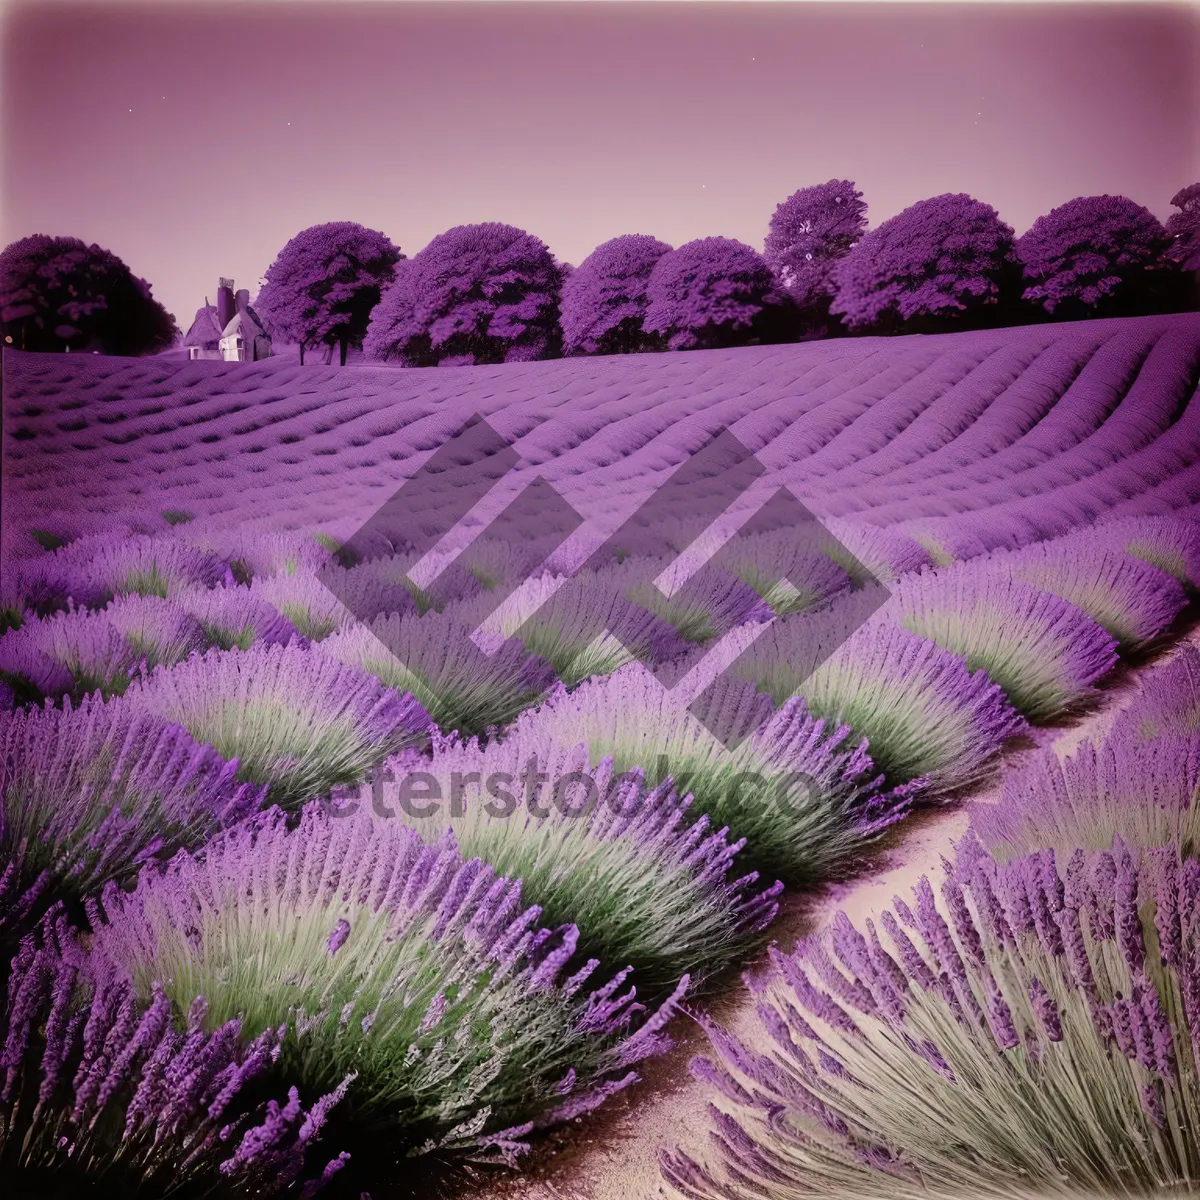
219,899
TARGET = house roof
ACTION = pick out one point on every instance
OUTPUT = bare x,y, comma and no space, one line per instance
205,330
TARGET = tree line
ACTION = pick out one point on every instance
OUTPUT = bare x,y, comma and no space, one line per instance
493,293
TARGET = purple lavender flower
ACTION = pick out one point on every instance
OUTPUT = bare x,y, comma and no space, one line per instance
1045,1009
91,793
337,939
1044,652
1168,701
1133,600
135,1071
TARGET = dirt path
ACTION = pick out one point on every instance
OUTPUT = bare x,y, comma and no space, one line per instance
614,1155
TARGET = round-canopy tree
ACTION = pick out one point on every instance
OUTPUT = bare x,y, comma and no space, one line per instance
476,294
604,301
1183,227
939,264
716,292
1093,254
810,233
321,288
59,293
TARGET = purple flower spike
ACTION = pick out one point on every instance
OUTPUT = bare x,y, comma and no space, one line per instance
1045,1009
337,939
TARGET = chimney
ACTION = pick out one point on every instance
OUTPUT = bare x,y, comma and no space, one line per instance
243,299
225,306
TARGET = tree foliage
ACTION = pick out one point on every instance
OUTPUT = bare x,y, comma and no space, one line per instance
604,301
321,288
1092,253
1183,227
59,293
934,265
478,294
810,233
715,292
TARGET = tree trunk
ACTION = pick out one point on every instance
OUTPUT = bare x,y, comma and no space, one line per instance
302,354
343,349
328,353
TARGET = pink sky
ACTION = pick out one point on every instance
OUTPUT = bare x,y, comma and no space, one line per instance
194,141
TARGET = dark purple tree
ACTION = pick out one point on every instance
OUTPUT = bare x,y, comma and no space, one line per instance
1093,254
59,293
810,233
939,264
1184,228
321,288
604,301
716,292
476,294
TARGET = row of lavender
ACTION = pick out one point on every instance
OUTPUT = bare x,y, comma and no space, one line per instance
398,980
1032,1026
967,442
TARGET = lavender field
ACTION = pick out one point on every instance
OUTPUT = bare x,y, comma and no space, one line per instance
332,862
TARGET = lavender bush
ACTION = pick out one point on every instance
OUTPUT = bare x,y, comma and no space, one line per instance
604,299
29,674
1142,791
1030,1032
42,586
100,1087
116,565
392,960
1167,700
923,713
622,861
87,645
252,552
88,794
234,618
158,631
790,578
1170,543
1044,652
432,657
1135,601
557,620
804,802
305,601
292,717
871,554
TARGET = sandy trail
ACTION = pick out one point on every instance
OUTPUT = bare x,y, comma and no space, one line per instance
614,1155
